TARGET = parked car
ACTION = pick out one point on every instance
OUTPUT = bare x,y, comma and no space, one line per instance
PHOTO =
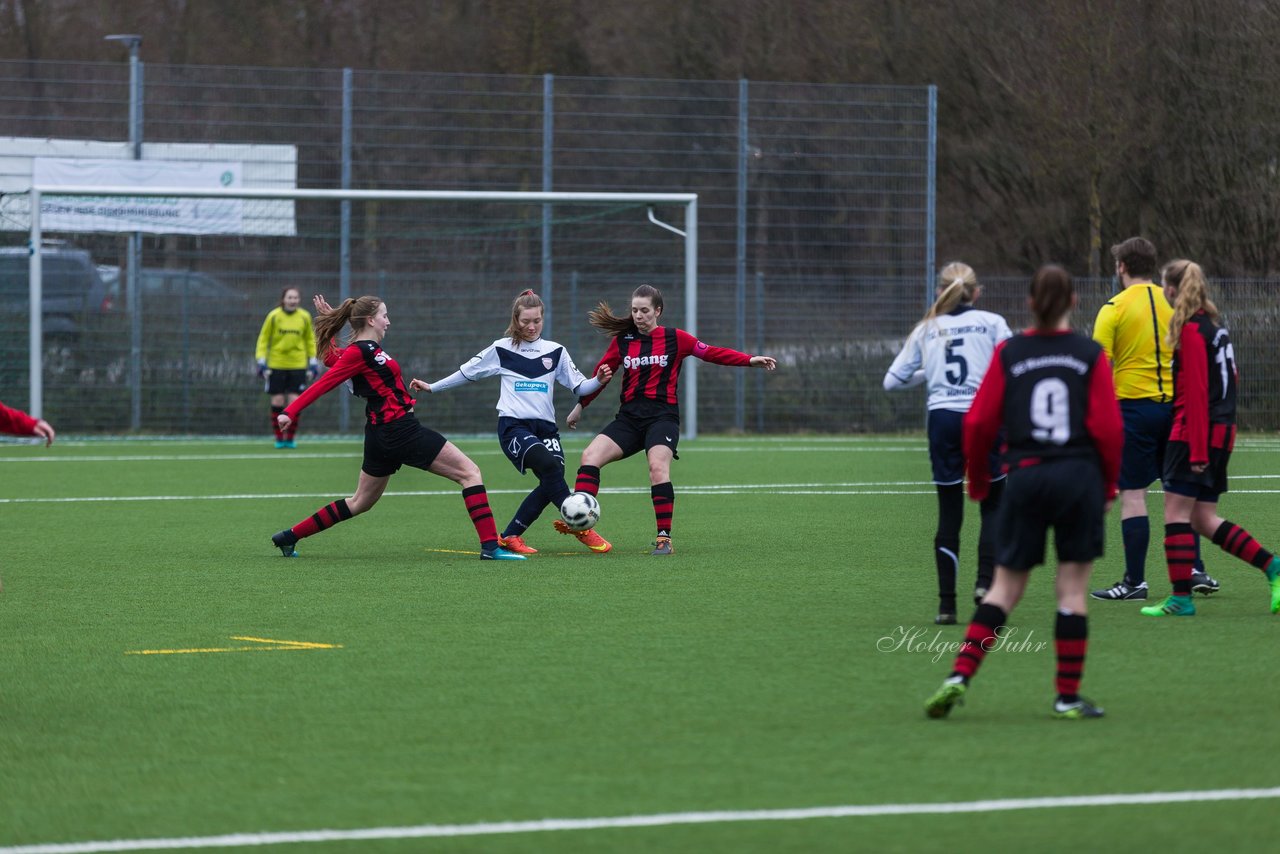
72,287
172,283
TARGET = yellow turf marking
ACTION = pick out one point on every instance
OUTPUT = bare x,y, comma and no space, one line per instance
277,646
540,551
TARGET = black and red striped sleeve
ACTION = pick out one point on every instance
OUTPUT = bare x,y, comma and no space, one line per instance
1104,422
691,346
613,358
1193,391
349,363
982,426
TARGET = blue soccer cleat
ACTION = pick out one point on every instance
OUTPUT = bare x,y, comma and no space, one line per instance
500,553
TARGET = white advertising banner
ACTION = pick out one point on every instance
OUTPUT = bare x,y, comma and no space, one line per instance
160,215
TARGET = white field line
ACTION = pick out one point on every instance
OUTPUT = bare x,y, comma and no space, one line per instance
423,831
924,487
810,444
355,451
902,487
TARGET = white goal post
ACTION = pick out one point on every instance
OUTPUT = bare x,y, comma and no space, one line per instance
689,234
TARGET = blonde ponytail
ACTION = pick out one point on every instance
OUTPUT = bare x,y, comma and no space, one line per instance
959,286
1193,295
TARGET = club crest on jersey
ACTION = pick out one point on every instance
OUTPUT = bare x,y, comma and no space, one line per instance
640,361
547,363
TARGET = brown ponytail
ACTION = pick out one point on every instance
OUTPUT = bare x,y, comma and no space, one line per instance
357,312
1052,296
603,318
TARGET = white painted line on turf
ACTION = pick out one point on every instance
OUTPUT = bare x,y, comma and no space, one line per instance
869,488
423,831
742,489
355,454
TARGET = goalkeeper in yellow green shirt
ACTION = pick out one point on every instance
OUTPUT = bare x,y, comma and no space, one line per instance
1132,327
286,358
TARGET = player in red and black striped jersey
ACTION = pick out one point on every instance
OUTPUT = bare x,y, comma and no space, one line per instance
392,435
1200,443
18,423
647,358
1051,391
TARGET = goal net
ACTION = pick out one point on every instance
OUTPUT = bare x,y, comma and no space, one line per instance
170,349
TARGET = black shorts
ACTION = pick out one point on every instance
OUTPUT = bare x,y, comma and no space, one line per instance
634,433
517,436
1146,432
946,448
1064,494
286,381
1202,486
403,442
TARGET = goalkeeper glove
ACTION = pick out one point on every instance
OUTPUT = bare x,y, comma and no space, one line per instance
313,368
262,367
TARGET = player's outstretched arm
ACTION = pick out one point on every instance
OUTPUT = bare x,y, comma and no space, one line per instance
45,431
767,362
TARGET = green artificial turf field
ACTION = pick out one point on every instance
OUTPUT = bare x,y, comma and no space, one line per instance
388,681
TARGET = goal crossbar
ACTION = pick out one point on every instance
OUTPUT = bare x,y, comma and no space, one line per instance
690,236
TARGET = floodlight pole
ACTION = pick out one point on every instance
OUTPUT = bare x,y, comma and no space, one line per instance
133,278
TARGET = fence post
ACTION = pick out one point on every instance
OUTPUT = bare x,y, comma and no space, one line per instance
760,348
931,195
691,312
740,260
344,248
548,134
573,313
134,273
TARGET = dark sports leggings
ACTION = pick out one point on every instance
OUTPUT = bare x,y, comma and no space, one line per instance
946,541
551,489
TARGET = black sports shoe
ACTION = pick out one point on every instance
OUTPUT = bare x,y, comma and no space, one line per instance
285,542
1204,583
980,593
945,618
1122,589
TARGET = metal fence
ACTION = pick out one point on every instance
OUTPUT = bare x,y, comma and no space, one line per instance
815,238
815,228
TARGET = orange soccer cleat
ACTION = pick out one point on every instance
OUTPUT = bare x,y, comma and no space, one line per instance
588,538
517,544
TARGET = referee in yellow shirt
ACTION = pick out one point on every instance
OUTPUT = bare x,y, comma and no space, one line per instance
286,357
1132,328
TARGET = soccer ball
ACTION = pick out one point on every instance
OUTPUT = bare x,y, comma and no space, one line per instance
580,511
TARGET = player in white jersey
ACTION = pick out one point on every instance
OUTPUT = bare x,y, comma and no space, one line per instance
949,351
529,366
